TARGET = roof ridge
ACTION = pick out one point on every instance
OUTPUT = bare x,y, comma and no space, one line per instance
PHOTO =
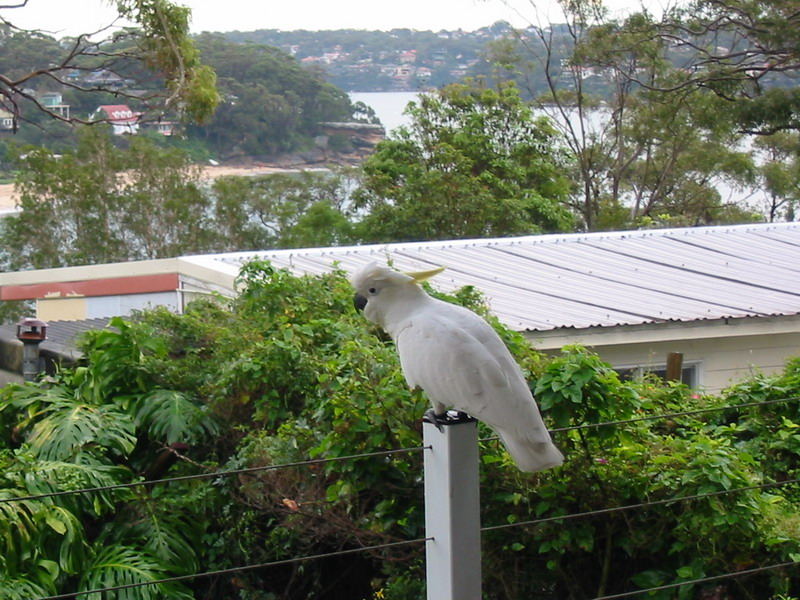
544,238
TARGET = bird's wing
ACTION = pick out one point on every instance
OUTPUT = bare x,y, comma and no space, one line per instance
460,362
453,358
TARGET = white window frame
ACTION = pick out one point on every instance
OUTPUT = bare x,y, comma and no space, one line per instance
694,368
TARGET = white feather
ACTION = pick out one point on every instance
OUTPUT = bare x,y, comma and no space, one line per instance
459,361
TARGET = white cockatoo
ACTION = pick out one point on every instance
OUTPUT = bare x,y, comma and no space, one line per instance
458,360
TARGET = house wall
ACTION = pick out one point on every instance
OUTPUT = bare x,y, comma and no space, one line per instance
61,309
192,288
92,291
78,309
724,351
7,377
720,361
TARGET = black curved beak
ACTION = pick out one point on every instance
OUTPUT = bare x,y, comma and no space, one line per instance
359,302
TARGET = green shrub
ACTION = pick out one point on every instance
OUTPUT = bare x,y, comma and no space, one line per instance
290,371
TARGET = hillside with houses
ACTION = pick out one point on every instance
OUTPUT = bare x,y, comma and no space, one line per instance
379,61
271,104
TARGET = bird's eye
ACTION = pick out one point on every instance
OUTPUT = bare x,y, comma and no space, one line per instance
373,290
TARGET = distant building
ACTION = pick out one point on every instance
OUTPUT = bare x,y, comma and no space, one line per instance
99,291
423,74
104,79
403,72
6,120
408,56
166,128
121,118
54,102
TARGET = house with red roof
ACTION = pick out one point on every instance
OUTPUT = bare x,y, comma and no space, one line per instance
121,118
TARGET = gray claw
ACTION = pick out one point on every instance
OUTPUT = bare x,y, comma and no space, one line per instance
430,416
450,417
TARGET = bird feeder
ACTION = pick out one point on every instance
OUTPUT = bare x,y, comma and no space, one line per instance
31,332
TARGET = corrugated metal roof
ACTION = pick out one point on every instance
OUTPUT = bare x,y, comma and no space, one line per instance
545,282
61,335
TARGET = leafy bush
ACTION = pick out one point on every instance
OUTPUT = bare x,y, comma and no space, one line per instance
289,371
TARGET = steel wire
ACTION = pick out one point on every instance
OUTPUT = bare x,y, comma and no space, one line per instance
232,570
670,586
663,501
323,460
212,475
642,505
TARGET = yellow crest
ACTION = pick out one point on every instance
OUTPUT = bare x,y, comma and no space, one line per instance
420,276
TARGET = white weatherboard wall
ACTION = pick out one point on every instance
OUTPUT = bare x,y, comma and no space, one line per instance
81,307
109,306
723,351
720,361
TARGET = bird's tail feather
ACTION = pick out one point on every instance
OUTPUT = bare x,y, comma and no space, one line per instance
532,455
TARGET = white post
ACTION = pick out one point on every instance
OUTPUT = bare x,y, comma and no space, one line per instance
452,511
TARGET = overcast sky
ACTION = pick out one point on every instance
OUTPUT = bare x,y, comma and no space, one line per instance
69,17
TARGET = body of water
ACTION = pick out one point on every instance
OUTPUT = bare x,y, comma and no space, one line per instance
389,106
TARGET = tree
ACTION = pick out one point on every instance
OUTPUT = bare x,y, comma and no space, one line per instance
98,204
743,50
601,155
641,157
686,148
473,163
175,77
271,104
568,68
284,210
290,371
98,425
779,173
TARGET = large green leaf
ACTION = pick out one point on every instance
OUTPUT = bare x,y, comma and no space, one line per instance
20,589
18,531
83,472
64,538
119,566
40,538
171,417
161,528
65,427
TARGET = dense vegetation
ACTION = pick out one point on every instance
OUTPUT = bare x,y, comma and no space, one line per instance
290,371
474,162
154,63
268,103
403,59
370,61
649,120
100,203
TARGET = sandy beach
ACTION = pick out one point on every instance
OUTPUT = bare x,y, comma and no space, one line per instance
6,197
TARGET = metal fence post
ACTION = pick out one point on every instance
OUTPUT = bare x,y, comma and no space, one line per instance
452,511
